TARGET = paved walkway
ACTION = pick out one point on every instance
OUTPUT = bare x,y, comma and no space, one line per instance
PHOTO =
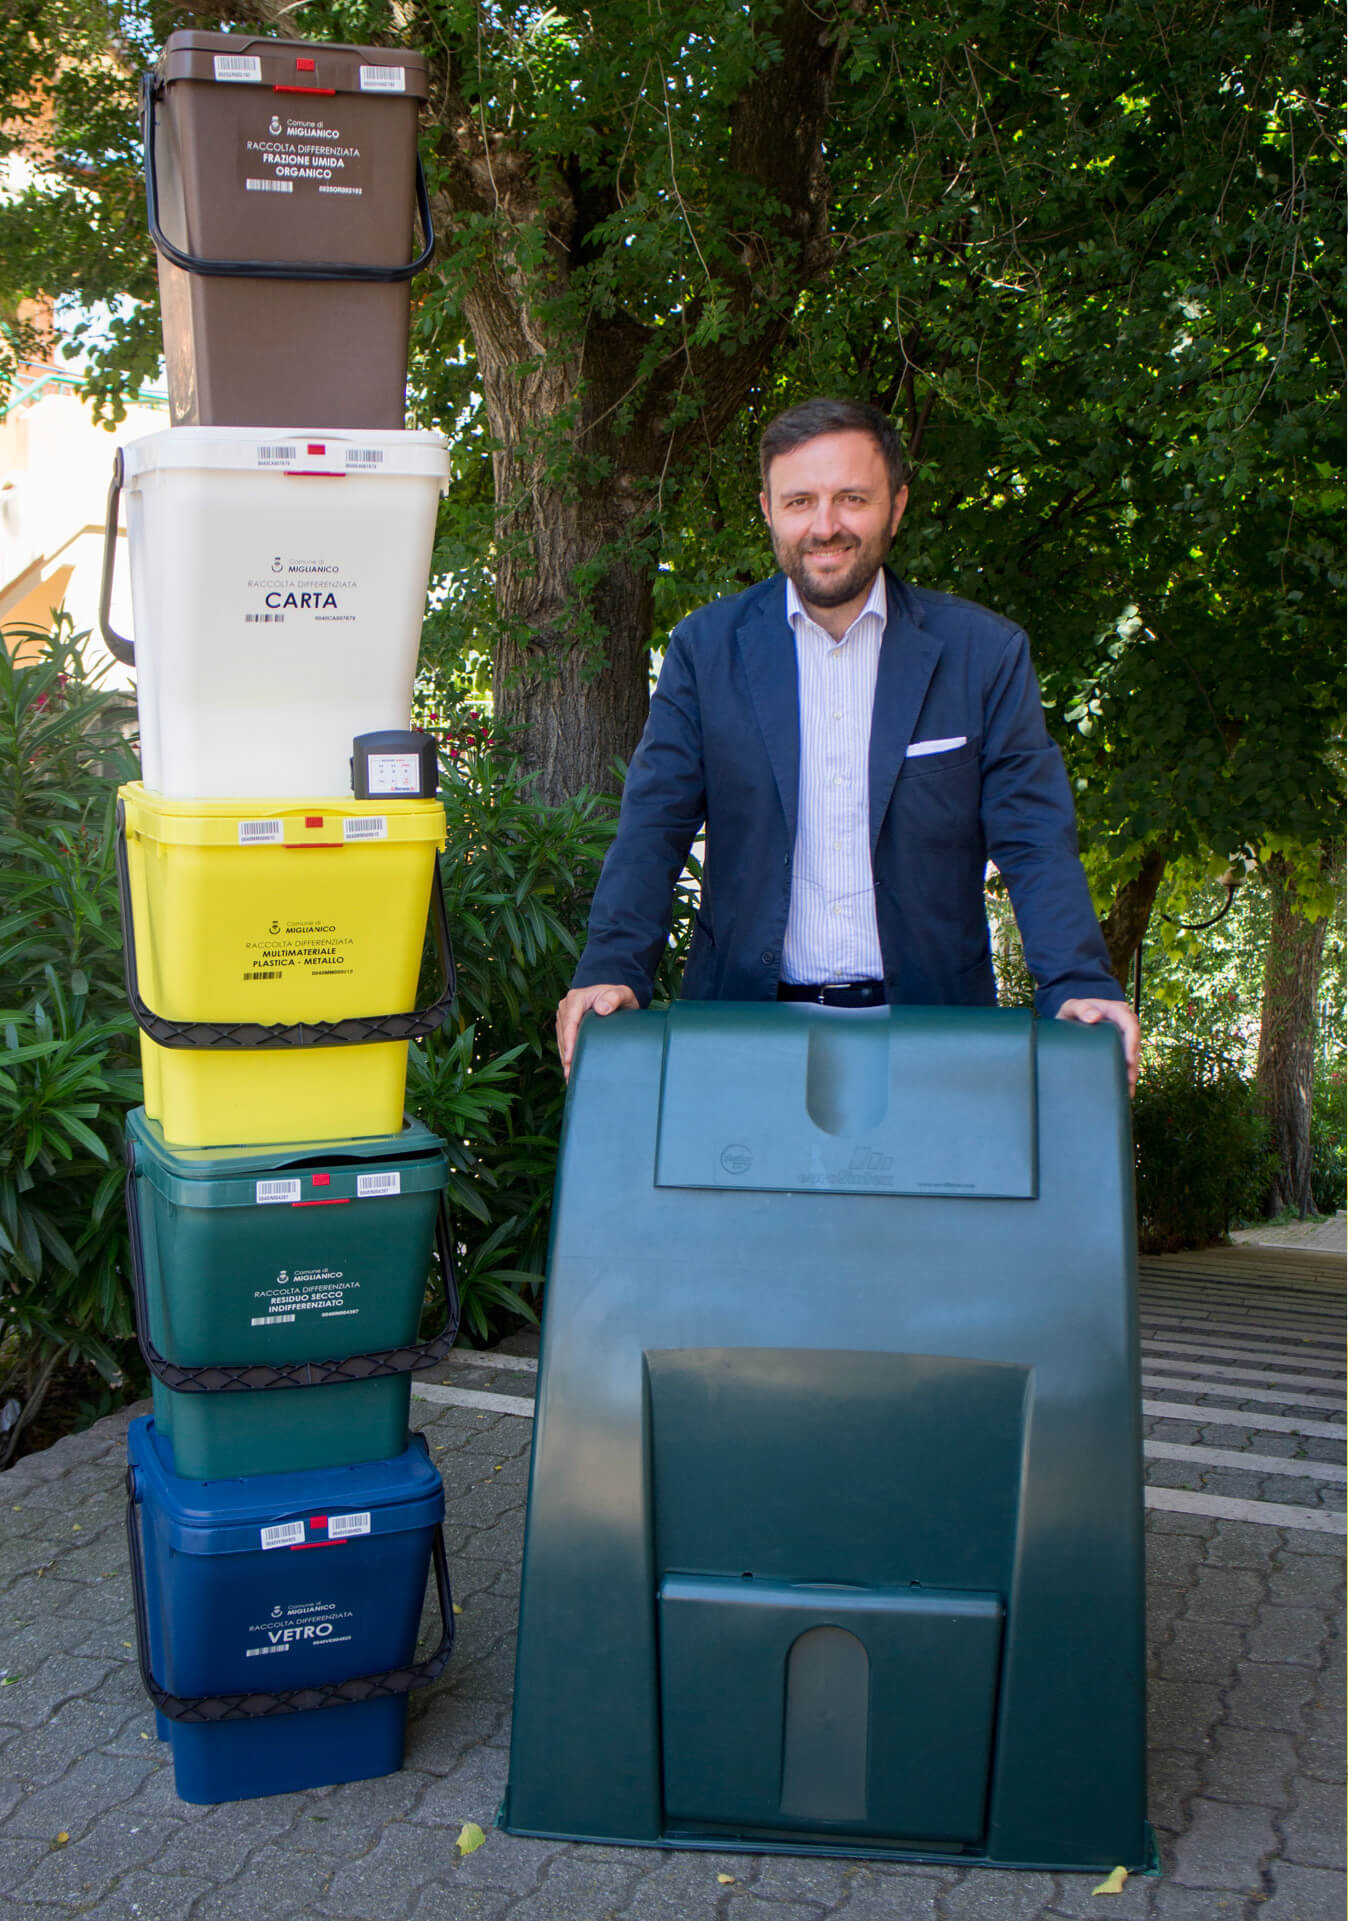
1323,1237
1244,1403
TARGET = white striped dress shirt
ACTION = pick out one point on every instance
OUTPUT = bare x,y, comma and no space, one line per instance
831,932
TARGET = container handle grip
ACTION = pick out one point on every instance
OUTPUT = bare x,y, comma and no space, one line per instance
356,1030
117,644
151,91
207,1708
250,1377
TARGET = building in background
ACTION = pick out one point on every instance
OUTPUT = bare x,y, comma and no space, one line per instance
55,465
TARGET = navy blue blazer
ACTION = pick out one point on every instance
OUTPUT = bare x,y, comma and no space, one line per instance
721,748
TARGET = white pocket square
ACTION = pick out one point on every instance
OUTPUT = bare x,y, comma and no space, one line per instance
936,746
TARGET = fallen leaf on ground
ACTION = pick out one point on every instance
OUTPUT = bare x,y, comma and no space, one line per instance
726,1880
62,1838
470,1838
1113,1884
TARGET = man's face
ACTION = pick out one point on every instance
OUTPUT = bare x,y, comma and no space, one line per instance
832,516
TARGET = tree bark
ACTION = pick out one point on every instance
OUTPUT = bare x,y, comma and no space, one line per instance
1286,1067
587,428
1126,922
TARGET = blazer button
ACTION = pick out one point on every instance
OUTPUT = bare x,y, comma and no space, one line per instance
769,958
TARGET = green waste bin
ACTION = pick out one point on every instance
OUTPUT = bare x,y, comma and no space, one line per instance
279,1291
834,1539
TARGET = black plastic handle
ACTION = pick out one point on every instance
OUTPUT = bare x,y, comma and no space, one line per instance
251,1376
117,644
386,1686
151,92
357,1030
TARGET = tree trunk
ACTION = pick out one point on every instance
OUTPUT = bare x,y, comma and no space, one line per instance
1126,922
591,417
1286,1066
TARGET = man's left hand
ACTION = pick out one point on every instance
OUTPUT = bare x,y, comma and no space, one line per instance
1089,1012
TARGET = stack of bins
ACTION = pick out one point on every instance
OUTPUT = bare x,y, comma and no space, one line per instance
282,1214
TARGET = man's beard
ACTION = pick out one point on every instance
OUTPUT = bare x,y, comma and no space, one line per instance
835,591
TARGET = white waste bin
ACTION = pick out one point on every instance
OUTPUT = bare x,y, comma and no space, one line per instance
278,583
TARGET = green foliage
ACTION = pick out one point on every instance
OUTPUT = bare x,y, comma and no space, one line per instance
1203,1160
1329,1140
69,1069
518,877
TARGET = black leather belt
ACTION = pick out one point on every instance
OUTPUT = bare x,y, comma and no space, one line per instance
834,993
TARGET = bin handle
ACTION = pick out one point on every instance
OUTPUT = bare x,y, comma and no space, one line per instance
357,1030
117,645
206,1708
151,91
249,1376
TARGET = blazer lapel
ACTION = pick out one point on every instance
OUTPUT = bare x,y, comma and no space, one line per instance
907,656
768,648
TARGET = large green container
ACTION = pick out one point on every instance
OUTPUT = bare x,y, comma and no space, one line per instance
834,1539
257,1255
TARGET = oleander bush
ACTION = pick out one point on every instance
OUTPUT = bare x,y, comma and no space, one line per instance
1202,1153
70,1068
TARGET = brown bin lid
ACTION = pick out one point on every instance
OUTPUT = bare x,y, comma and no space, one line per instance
189,55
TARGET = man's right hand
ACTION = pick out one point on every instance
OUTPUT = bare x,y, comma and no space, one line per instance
573,1007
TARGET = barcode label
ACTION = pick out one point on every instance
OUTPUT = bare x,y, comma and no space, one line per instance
369,1185
272,1193
284,1534
383,80
275,456
284,1648
364,456
269,1320
365,827
264,974
267,620
342,1526
238,66
261,833
269,186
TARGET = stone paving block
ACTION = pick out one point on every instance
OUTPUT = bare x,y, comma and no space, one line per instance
1173,1779
221,1839
1322,1760
576,1888
739,1907
1158,1428
1239,1544
448,1902
1231,1484
93,1784
1171,1558
1225,1594
1288,1635
884,1893
1246,1766
54,1632
276,1881
1160,1521
678,1887
798,1877
18,1859
1073,1900
1269,1695
1304,1580
142,1896
992,1894
1181,1713
1330,1546
341,1823
384,1883
1301,1491
447,1725
1313,1830
1304,1894
472,1792
33,1697
1170,1903
1201,1651
1223,1847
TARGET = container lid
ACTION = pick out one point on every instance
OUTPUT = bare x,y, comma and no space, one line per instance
359,454
292,66
328,821
321,1507
307,1173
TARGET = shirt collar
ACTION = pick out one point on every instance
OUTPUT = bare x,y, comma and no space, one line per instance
876,603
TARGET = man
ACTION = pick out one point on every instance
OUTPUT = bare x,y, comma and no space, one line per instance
857,749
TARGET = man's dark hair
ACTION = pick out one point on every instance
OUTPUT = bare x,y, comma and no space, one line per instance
824,416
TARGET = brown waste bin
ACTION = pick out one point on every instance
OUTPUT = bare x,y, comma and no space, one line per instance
281,177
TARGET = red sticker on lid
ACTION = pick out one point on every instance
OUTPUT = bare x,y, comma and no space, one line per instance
305,66
316,447
318,1520
313,820
321,1180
